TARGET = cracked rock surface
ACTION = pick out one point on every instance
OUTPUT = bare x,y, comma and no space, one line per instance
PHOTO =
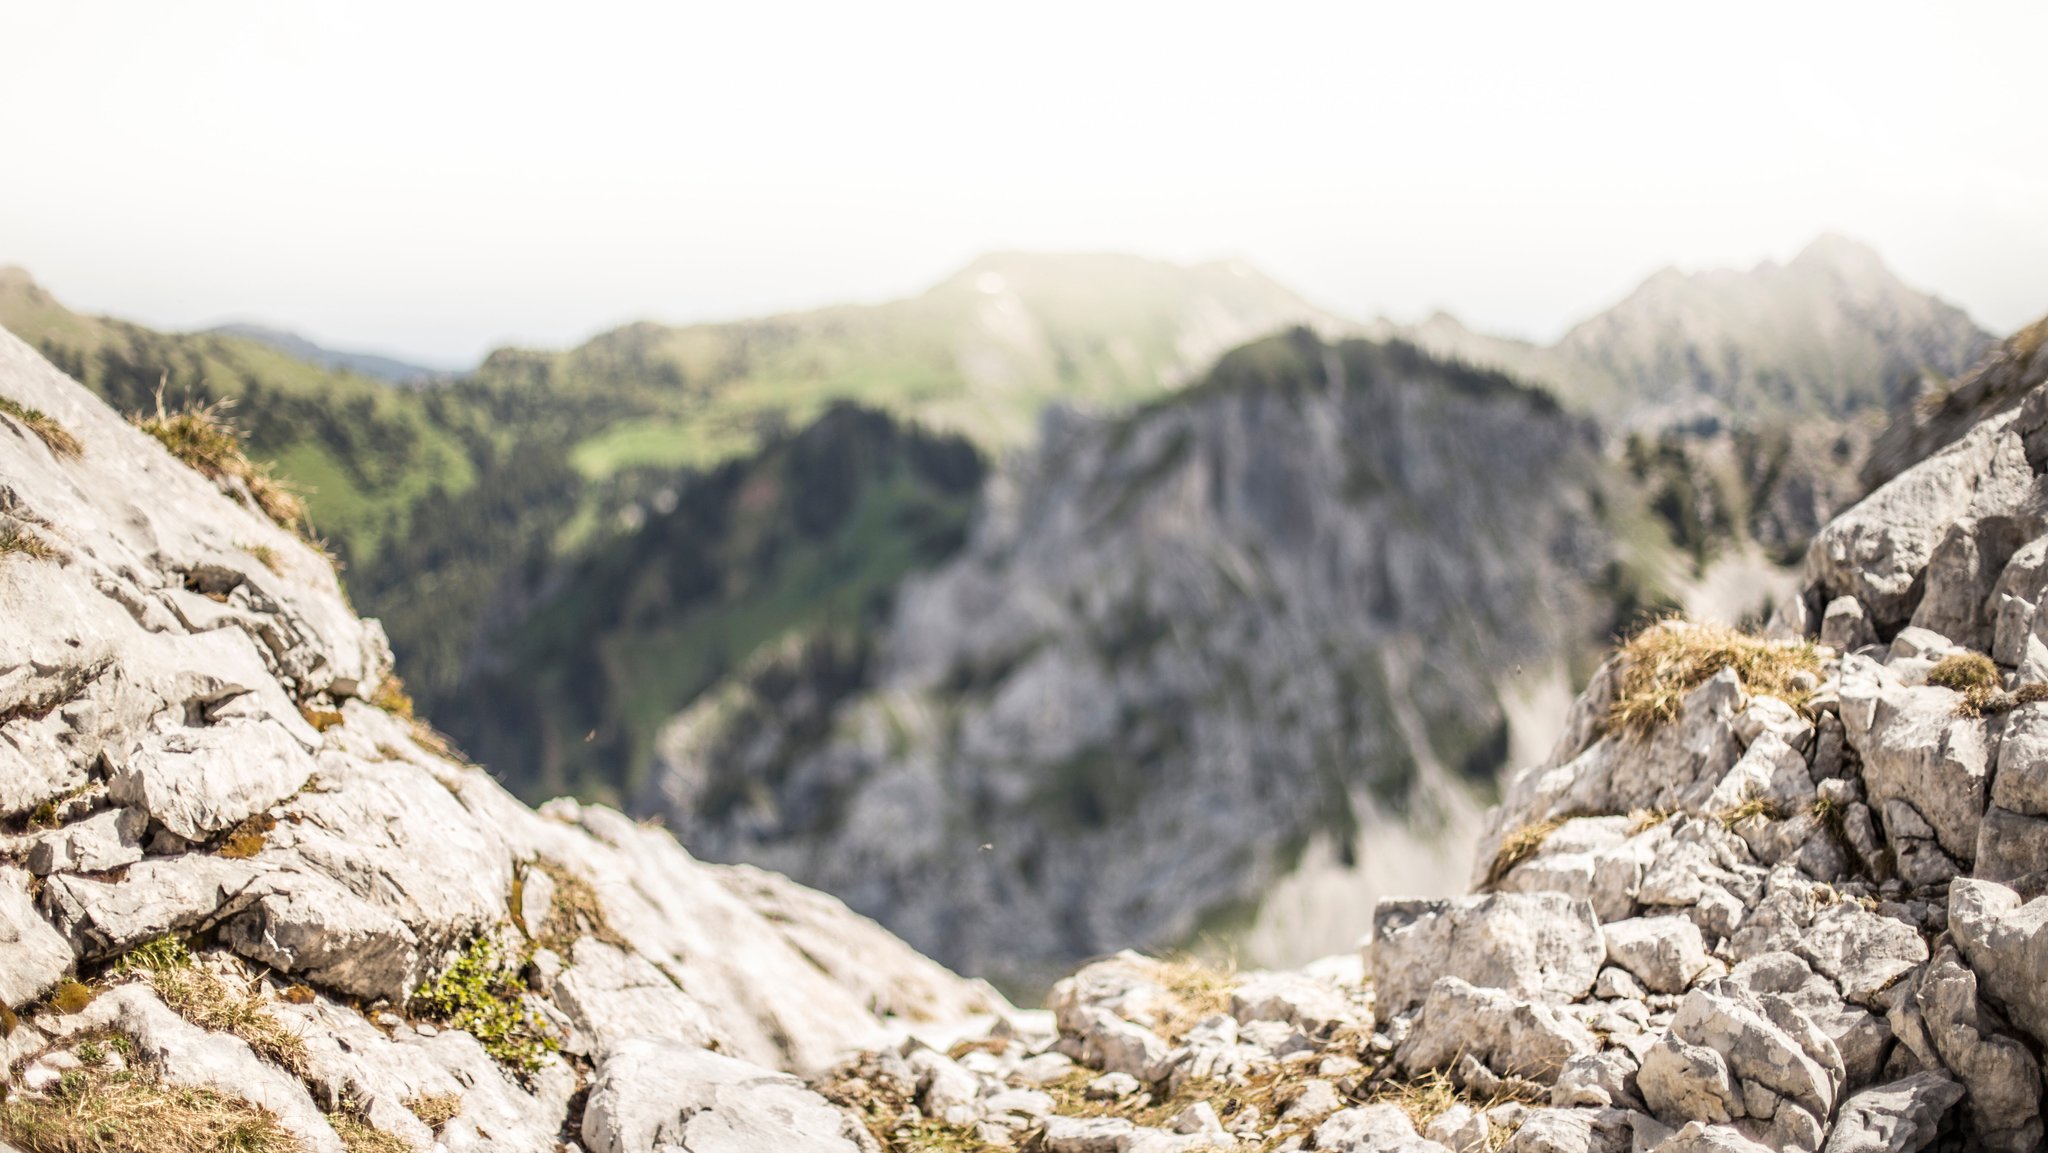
201,741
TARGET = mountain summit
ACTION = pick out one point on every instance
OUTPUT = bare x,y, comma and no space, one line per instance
1831,333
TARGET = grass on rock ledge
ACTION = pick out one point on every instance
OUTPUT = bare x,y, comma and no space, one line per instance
202,437
1977,678
209,1002
1672,657
56,436
99,1109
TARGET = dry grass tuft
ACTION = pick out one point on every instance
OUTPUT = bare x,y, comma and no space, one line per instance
1641,821
1977,678
208,1002
1750,807
1199,989
18,541
1672,657
321,719
97,1110
1423,1098
435,1109
1964,673
575,912
201,436
358,1136
56,436
1520,845
392,697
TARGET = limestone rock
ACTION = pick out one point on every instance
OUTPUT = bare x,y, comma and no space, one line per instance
1532,945
1312,1005
652,1095
32,954
102,842
2006,943
1732,1056
1665,953
1510,1037
1918,753
1900,1117
1946,1024
197,782
1372,1129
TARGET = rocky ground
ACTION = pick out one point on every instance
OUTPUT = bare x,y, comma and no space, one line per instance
1784,893
1767,893
247,902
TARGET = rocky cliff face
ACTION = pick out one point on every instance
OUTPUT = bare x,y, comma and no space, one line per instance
1766,893
1278,617
250,903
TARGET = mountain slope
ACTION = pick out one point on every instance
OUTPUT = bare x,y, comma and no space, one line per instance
1765,893
810,535
1279,608
360,452
267,898
384,368
980,354
1831,333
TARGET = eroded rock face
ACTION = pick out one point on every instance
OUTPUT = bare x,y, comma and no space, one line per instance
1542,945
188,746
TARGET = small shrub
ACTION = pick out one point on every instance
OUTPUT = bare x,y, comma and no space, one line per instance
55,435
71,996
165,952
1671,658
268,557
98,1110
18,541
202,437
486,1000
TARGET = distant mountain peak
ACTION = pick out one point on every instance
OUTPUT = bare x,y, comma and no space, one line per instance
1844,253
385,368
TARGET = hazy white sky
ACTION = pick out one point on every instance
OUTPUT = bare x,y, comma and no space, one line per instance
434,178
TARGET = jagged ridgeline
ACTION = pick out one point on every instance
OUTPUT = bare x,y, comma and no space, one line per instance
1290,606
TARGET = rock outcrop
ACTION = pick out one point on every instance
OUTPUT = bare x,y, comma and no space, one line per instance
234,866
1785,892
1290,612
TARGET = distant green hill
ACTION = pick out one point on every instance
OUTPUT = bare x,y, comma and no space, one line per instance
361,452
385,368
808,537
980,354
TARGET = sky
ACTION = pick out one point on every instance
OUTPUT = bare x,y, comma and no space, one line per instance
436,179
